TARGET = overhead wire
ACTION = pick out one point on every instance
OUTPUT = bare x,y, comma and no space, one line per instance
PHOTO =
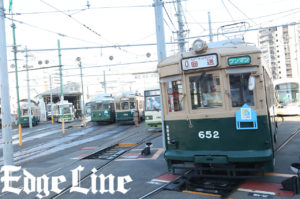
252,18
50,31
169,18
77,10
84,25
242,12
227,10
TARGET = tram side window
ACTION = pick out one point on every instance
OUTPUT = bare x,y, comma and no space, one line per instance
240,94
175,96
205,91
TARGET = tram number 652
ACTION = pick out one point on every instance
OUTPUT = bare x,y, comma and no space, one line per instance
208,134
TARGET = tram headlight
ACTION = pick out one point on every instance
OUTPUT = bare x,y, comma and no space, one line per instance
199,46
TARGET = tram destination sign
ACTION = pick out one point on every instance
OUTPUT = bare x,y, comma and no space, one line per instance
232,61
203,61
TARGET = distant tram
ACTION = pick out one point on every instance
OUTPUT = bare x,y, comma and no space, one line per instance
35,113
129,107
68,113
287,93
152,109
102,109
218,105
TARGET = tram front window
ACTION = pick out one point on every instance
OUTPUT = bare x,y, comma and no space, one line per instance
152,103
67,110
124,105
25,112
240,94
106,106
118,107
287,93
99,107
175,96
205,91
132,105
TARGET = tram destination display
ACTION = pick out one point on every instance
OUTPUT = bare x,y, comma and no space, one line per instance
204,61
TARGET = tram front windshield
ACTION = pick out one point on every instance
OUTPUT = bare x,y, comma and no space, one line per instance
127,105
67,109
153,103
287,93
25,112
205,91
101,106
240,94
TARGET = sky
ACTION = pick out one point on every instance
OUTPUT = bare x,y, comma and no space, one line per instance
41,23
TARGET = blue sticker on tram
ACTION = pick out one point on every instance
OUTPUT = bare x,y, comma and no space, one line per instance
246,118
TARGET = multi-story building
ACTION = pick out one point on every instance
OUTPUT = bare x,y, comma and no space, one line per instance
280,50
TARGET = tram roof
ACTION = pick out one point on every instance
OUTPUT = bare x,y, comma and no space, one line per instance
102,97
221,51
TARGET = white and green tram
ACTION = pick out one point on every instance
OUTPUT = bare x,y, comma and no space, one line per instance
65,111
152,109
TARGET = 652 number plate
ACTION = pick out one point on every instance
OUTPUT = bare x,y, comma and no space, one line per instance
208,135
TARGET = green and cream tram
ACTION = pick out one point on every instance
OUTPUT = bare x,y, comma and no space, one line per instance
152,109
102,109
35,113
218,106
129,107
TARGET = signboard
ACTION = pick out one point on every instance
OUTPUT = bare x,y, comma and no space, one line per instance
232,61
203,61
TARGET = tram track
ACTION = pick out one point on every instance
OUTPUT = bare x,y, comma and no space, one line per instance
125,134
290,138
57,145
109,161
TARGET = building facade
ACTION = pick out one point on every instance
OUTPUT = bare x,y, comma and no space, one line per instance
280,50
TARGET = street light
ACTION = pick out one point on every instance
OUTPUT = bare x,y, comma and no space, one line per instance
78,59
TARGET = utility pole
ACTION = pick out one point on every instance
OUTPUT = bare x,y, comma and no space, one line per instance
61,89
160,32
28,90
5,101
181,41
51,100
83,104
17,82
104,81
209,27
161,49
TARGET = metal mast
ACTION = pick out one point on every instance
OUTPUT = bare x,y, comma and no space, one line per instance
5,101
181,41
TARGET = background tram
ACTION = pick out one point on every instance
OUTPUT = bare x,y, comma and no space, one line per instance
152,109
128,106
68,108
35,113
218,106
287,93
102,109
